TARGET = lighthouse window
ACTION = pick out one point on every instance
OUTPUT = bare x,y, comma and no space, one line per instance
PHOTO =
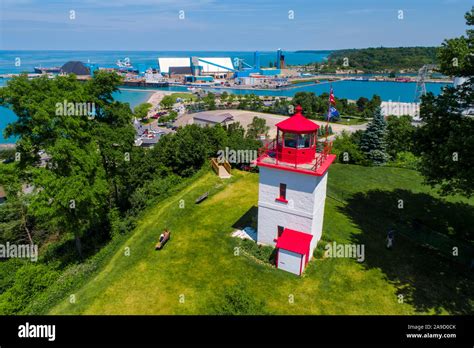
282,191
303,140
280,231
290,140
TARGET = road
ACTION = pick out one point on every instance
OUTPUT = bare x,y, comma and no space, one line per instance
246,117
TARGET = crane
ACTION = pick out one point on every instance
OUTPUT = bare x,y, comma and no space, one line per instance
420,81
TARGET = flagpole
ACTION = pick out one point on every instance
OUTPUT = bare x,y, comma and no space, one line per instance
327,117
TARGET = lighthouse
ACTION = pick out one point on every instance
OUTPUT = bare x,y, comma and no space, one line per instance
292,192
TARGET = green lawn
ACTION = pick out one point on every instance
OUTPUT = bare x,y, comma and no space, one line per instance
184,96
198,263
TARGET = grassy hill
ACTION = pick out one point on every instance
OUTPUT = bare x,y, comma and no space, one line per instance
198,263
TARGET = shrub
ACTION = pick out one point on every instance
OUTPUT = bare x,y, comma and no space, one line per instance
260,252
30,280
406,159
236,300
347,150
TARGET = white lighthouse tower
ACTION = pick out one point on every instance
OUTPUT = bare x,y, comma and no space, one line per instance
292,192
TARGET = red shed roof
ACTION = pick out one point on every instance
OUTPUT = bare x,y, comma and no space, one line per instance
297,242
297,123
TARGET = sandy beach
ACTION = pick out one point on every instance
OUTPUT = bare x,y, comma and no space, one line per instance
155,100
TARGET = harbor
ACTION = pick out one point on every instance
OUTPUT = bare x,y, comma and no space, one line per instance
266,75
238,71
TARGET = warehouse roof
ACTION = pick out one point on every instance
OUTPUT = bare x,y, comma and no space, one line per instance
222,64
222,61
166,63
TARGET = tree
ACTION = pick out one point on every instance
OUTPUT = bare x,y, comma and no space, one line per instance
445,142
400,135
183,152
141,110
167,102
224,96
72,192
15,218
374,103
362,103
308,101
373,140
210,101
257,127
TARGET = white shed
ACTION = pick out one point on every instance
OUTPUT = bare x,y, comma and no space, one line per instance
293,251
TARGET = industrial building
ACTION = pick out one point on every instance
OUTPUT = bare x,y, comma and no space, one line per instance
206,69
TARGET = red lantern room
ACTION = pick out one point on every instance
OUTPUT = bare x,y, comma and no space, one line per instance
296,139
294,148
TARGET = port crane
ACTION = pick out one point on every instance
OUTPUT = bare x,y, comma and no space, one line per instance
423,73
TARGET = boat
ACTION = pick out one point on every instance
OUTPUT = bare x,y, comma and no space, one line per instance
41,70
124,63
364,79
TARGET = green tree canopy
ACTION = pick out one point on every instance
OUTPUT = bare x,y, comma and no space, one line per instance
446,141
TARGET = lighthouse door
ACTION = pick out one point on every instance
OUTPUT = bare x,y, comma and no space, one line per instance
290,261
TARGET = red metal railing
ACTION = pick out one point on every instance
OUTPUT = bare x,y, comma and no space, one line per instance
270,150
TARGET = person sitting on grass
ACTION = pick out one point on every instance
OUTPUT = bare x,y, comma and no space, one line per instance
390,237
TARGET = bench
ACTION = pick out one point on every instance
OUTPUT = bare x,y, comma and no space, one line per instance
202,197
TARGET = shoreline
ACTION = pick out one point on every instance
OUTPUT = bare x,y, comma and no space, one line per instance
4,146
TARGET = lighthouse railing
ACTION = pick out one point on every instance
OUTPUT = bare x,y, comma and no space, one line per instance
270,153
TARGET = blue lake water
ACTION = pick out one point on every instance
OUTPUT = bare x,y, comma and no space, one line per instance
394,91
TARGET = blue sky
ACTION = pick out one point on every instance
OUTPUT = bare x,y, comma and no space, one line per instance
227,25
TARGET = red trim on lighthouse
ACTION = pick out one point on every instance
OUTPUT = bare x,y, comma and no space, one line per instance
301,264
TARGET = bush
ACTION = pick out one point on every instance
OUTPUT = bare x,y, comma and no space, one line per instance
347,150
152,191
120,225
260,252
407,160
30,281
236,300
8,269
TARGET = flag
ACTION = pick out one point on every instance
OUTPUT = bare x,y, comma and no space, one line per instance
332,100
332,113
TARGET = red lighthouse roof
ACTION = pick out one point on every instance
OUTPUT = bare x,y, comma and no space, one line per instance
295,241
297,123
